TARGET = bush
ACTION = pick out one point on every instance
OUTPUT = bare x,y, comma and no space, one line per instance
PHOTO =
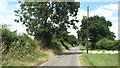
107,44
8,37
117,44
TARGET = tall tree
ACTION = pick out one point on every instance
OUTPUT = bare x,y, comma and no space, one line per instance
98,29
44,19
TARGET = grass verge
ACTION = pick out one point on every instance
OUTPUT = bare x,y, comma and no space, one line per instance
99,59
31,55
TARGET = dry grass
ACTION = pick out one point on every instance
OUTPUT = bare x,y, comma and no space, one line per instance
36,58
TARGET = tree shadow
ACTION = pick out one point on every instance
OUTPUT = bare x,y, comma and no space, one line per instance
72,53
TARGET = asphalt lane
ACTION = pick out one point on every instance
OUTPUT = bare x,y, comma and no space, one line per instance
69,58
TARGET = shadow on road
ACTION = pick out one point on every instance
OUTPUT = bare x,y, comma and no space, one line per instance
71,53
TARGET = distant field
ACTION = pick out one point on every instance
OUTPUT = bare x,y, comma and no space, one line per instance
99,59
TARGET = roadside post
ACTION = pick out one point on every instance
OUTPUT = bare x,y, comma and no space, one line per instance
87,25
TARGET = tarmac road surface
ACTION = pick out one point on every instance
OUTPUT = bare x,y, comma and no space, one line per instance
69,58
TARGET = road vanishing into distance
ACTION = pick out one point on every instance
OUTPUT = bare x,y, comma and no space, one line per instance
69,58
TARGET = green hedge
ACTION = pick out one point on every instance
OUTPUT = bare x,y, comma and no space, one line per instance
107,44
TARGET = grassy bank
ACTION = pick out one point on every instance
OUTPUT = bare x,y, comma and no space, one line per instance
99,59
30,54
22,50
37,56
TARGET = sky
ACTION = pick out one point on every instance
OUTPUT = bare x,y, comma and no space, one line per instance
107,9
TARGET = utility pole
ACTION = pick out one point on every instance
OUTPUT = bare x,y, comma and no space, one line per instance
87,25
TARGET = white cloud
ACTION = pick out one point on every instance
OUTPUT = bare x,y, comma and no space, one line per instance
108,12
7,16
101,12
111,7
9,0
3,5
114,29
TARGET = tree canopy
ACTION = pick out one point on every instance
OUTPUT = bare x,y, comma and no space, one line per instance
71,39
98,29
45,19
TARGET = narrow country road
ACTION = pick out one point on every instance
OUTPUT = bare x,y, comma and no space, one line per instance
69,58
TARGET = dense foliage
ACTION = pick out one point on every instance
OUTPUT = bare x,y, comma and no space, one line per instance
8,37
98,29
48,20
107,44
71,39
23,44
20,49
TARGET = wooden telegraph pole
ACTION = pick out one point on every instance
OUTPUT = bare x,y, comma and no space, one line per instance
87,25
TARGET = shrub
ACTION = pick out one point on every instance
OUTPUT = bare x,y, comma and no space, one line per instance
8,37
106,44
117,44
